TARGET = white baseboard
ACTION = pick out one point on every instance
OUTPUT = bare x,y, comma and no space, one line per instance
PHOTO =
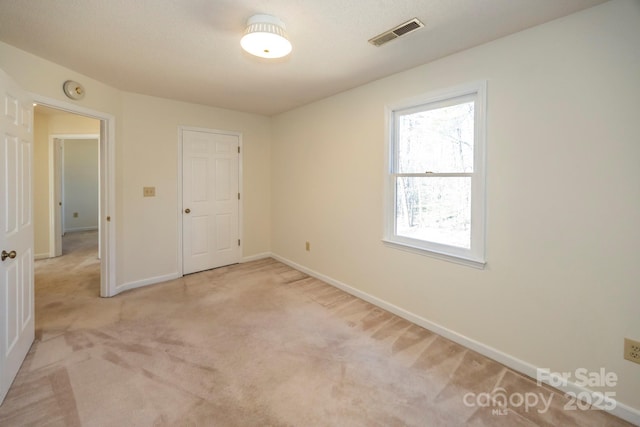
147,282
41,256
256,257
173,276
620,410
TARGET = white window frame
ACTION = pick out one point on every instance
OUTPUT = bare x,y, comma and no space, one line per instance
475,255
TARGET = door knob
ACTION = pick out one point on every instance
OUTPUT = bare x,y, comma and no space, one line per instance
6,255
187,210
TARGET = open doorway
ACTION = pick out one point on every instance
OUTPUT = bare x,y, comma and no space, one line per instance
89,138
67,187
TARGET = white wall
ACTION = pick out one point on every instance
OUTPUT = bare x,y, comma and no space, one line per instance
147,155
561,288
41,185
80,184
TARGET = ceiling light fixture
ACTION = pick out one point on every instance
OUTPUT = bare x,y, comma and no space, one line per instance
266,37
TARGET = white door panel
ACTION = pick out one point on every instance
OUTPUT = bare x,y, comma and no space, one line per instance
16,230
223,232
210,202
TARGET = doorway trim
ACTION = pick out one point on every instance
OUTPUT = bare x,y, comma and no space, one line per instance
181,130
107,200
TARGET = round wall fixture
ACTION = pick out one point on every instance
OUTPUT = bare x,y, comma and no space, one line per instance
73,90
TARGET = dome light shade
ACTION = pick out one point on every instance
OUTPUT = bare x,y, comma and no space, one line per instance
266,37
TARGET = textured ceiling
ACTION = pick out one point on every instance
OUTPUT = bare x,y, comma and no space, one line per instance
189,50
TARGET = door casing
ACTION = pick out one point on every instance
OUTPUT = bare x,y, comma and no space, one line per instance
107,200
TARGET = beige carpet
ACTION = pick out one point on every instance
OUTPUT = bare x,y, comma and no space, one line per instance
256,344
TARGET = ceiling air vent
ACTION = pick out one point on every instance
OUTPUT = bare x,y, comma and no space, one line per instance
396,32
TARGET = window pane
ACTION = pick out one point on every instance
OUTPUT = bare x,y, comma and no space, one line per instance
434,209
439,140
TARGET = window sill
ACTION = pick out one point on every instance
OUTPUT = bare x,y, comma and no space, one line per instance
457,259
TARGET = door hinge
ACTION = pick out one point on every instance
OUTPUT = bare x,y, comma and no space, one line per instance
238,196
238,242
238,149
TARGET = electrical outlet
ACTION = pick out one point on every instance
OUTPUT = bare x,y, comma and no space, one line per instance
632,350
149,191
307,246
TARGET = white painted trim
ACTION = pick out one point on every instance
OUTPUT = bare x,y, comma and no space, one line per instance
620,410
52,199
180,248
242,195
181,130
108,267
177,275
456,259
256,257
147,282
475,256
74,135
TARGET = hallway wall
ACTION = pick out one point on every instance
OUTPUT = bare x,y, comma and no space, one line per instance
81,184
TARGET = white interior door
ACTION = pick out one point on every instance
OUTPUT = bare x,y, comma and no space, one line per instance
16,230
210,200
